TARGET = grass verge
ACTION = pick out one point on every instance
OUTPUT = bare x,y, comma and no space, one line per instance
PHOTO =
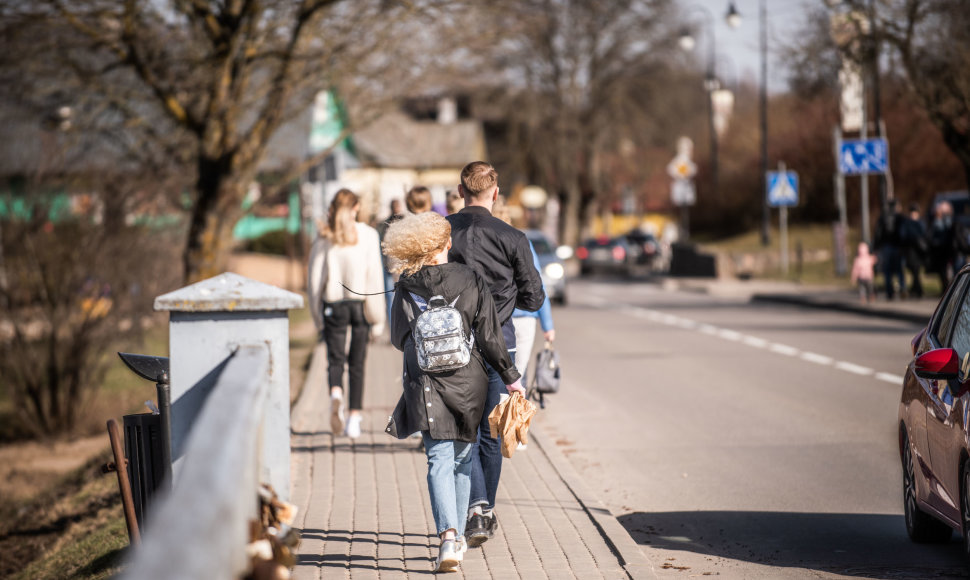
811,256
75,529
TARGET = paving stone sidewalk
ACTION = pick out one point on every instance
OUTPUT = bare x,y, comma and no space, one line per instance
365,513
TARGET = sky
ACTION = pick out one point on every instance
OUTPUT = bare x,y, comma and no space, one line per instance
738,49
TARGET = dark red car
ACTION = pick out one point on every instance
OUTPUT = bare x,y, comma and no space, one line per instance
934,415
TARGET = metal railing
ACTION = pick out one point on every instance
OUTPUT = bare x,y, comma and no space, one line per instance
200,528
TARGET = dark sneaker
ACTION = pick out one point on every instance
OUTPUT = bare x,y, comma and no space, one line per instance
491,524
476,531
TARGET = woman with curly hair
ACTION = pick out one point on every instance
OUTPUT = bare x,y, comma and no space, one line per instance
446,407
345,262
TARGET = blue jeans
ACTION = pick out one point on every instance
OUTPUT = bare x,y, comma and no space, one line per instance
487,452
449,471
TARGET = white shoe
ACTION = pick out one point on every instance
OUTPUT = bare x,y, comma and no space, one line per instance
353,427
336,415
461,546
448,557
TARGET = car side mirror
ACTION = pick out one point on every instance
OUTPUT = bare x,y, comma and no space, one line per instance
938,364
564,252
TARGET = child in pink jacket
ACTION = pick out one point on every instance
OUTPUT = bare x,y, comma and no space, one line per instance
863,269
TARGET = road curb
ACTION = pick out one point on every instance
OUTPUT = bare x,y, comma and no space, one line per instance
814,302
634,561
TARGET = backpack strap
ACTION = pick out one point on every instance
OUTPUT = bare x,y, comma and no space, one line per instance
419,303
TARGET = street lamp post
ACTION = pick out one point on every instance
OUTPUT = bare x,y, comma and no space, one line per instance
734,18
711,83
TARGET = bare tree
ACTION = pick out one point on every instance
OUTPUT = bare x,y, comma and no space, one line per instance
929,42
932,39
224,76
74,291
573,73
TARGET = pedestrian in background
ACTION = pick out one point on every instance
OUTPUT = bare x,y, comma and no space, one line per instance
397,212
864,272
524,321
418,199
454,202
445,407
915,248
345,266
500,254
942,251
889,249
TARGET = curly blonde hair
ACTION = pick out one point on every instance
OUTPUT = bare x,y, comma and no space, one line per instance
414,241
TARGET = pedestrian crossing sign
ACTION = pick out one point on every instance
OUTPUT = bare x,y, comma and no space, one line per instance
782,188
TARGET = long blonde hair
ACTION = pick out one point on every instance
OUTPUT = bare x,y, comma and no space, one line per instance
341,226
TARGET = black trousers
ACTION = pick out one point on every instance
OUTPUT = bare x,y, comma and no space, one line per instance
337,318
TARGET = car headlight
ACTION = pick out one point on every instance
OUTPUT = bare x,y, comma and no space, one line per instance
555,270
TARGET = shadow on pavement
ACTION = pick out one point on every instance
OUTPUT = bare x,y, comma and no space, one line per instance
860,545
418,564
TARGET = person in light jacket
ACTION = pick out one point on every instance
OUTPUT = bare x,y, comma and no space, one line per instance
524,322
446,407
346,284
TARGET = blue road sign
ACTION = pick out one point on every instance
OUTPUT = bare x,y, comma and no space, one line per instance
782,188
861,157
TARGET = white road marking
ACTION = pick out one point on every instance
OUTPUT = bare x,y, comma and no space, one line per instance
816,358
669,319
708,329
853,368
783,349
890,378
752,341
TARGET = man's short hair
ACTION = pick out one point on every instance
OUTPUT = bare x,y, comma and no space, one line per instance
418,199
478,178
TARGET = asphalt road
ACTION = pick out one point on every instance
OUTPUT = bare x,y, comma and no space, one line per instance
736,439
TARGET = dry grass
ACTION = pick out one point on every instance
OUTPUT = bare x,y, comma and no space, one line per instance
74,529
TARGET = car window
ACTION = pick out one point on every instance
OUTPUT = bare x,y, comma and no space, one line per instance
541,245
953,306
960,340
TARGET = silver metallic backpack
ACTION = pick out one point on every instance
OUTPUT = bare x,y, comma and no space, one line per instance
439,336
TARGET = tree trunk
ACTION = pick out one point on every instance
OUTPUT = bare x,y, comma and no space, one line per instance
217,209
571,213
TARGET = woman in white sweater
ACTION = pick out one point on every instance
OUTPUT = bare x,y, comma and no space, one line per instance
345,266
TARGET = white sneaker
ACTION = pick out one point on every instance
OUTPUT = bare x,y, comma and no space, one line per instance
353,427
461,546
336,415
448,557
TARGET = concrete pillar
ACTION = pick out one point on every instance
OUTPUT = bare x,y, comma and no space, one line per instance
208,322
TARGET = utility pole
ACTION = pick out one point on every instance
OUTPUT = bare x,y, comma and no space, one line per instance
872,59
765,215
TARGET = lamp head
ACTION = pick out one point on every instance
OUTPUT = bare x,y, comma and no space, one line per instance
686,40
733,17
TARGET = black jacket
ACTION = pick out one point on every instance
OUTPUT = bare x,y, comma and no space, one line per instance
448,404
501,255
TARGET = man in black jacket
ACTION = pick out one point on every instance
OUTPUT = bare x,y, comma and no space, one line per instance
501,255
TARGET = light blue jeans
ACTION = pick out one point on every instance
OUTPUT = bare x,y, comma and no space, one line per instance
449,481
